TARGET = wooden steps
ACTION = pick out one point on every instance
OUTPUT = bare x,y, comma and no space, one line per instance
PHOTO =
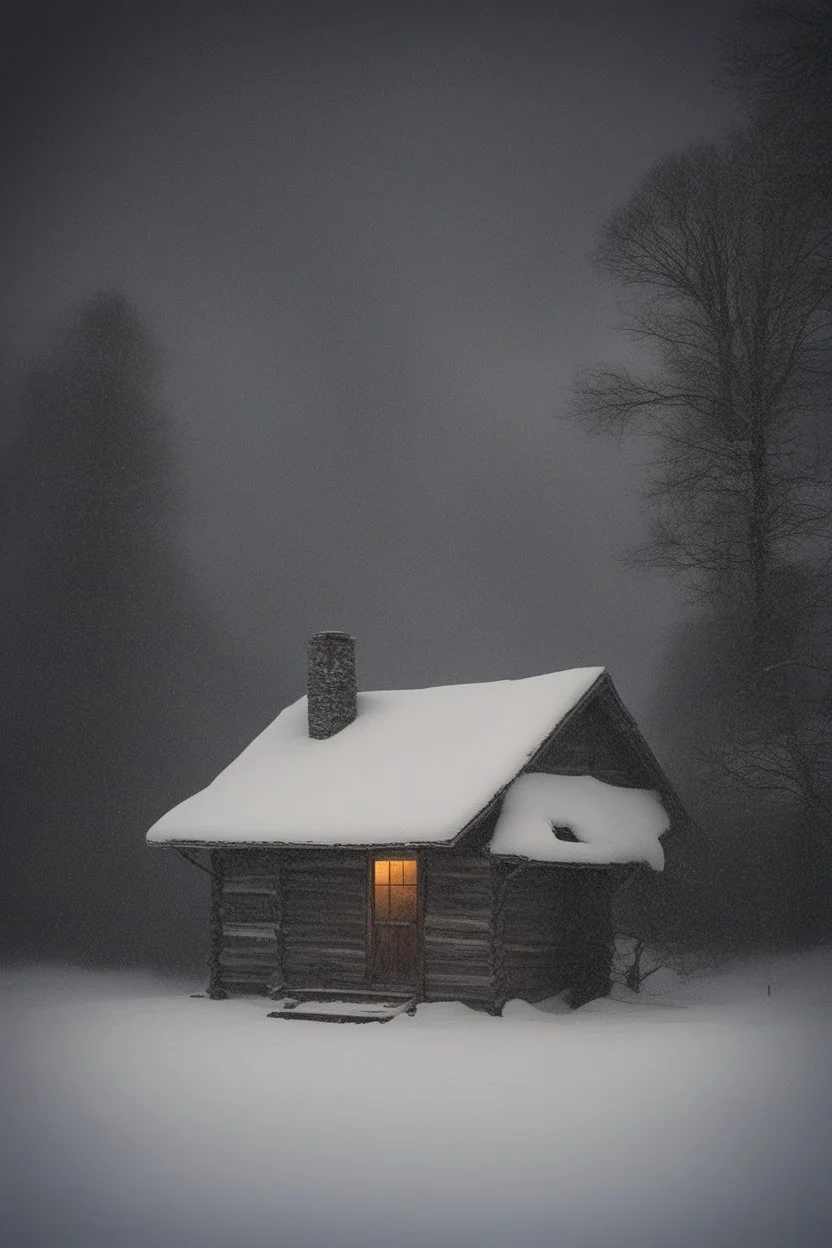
319,1006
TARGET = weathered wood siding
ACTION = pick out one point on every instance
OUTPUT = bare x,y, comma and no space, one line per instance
533,927
296,919
458,915
593,743
248,954
323,898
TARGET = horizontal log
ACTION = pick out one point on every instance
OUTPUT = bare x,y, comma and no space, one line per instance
477,972
246,988
243,940
533,947
246,975
348,933
248,908
316,920
316,911
459,864
323,862
455,975
314,968
449,892
249,884
457,894
256,986
348,948
339,899
248,957
459,910
314,915
320,972
242,962
440,923
456,947
312,949
458,986
324,885
249,931
257,948
242,861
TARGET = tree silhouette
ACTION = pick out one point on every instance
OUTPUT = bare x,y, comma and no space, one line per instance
122,699
728,272
778,56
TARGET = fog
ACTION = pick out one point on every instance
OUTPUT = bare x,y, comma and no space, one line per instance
361,236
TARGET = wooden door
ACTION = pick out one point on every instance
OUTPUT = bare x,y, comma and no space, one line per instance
394,953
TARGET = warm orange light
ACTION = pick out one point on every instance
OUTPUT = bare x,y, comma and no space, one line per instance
395,888
395,870
382,901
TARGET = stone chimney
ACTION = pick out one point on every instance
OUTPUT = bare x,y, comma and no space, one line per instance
331,685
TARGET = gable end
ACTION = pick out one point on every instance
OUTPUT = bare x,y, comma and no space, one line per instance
599,737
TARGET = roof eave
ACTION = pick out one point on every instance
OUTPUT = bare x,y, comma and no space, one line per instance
603,683
375,846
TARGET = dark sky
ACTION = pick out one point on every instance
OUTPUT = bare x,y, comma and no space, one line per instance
361,236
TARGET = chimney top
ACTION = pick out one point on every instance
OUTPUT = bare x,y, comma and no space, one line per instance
331,684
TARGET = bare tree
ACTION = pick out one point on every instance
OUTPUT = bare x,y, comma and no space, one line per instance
733,284
729,286
778,62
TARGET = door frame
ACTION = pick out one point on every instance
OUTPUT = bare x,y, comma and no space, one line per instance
397,853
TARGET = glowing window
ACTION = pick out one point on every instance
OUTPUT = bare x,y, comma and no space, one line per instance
394,881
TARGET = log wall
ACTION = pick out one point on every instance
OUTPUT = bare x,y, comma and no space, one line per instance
299,920
248,955
288,919
458,932
533,924
324,905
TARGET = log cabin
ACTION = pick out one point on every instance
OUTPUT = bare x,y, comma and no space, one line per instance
457,843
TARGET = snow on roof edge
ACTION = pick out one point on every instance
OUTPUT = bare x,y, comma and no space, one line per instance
611,824
471,717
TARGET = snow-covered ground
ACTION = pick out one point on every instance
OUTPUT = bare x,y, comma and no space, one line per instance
700,1114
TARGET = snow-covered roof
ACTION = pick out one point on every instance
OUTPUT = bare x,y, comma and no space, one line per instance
611,823
415,766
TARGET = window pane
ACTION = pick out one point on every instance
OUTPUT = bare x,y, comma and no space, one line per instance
382,901
382,871
403,901
396,872
409,866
